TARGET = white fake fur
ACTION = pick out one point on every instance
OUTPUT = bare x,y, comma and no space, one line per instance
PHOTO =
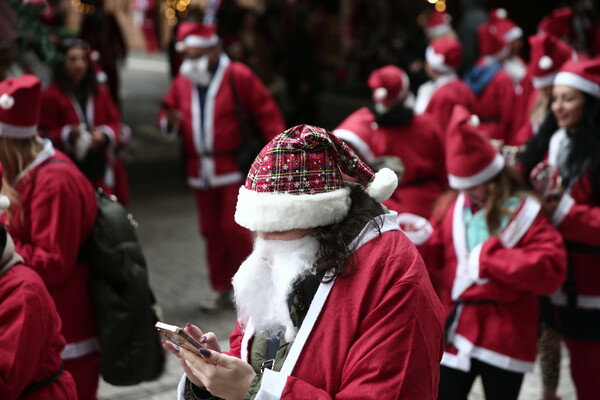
383,185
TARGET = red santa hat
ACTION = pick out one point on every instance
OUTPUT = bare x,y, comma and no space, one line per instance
547,55
558,23
507,29
492,46
4,200
196,34
470,157
19,106
389,85
438,23
444,55
296,182
581,75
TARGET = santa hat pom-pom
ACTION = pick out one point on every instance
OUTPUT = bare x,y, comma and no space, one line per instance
501,13
380,93
4,202
180,47
7,101
473,120
545,63
101,77
94,55
384,184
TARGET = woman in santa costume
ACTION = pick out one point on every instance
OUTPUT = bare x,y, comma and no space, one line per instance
496,252
393,131
437,97
569,142
81,118
334,301
493,87
30,339
54,213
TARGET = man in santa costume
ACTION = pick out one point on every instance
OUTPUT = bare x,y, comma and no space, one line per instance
392,130
54,215
334,301
212,103
493,87
30,340
493,251
437,97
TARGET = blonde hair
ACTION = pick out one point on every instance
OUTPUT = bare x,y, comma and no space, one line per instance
15,156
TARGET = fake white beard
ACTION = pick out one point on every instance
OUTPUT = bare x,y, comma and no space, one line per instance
265,280
196,70
515,67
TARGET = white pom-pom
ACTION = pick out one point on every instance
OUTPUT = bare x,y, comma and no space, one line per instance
545,63
380,93
4,202
179,46
94,55
501,13
383,185
101,77
473,120
7,101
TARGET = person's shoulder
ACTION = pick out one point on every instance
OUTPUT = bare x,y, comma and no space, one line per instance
239,69
22,278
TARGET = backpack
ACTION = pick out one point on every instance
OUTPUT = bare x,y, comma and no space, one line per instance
130,347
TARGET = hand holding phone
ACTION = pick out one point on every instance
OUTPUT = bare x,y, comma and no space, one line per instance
178,336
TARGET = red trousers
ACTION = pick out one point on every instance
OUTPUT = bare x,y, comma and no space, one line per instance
86,374
227,243
585,364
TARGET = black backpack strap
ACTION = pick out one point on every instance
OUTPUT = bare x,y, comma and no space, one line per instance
38,385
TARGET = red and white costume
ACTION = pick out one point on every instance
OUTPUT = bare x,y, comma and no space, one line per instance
57,212
61,111
211,135
357,131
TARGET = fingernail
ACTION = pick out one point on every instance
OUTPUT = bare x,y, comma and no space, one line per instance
205,352
176,348
188,324
203,339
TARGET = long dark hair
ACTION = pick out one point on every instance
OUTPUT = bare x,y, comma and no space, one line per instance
585,144
334,254
89,84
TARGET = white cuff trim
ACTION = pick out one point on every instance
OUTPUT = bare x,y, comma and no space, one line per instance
563,208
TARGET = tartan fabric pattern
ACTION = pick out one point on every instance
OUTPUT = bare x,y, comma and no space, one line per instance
305,160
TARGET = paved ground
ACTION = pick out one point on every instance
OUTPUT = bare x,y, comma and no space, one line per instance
168,230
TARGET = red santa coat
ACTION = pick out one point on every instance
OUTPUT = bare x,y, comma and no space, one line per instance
57,213
448,93
30,339
60,110
577,218
357,131
374,334
494,289
210,143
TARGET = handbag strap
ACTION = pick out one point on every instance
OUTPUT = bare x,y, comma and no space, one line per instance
239,113
273,344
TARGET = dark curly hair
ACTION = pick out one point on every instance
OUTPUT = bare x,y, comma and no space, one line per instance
585,145
334,252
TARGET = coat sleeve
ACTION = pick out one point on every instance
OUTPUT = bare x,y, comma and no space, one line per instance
169,102
537,264
107,118
577,222
405,327
23,344
56,228
52,118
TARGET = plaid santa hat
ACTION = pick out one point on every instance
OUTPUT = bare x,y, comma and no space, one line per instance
196,34
296,182
581,75
389,85
547,55
470,157
20,106
444,55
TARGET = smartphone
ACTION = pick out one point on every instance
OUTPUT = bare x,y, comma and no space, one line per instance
178,336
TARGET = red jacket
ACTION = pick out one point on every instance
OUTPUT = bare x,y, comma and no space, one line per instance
495,287
30,339
210,143
57,213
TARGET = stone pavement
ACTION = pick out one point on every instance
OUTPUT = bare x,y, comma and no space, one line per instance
168,228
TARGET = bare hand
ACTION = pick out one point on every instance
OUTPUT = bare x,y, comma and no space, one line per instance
99,140
74,135
174,116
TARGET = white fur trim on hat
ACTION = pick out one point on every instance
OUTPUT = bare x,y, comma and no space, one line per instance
438,30
278,212
457,182
437,61
540,82
7,101
383,185
4,202
513,34
380,93
17,132
578,82
200,41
